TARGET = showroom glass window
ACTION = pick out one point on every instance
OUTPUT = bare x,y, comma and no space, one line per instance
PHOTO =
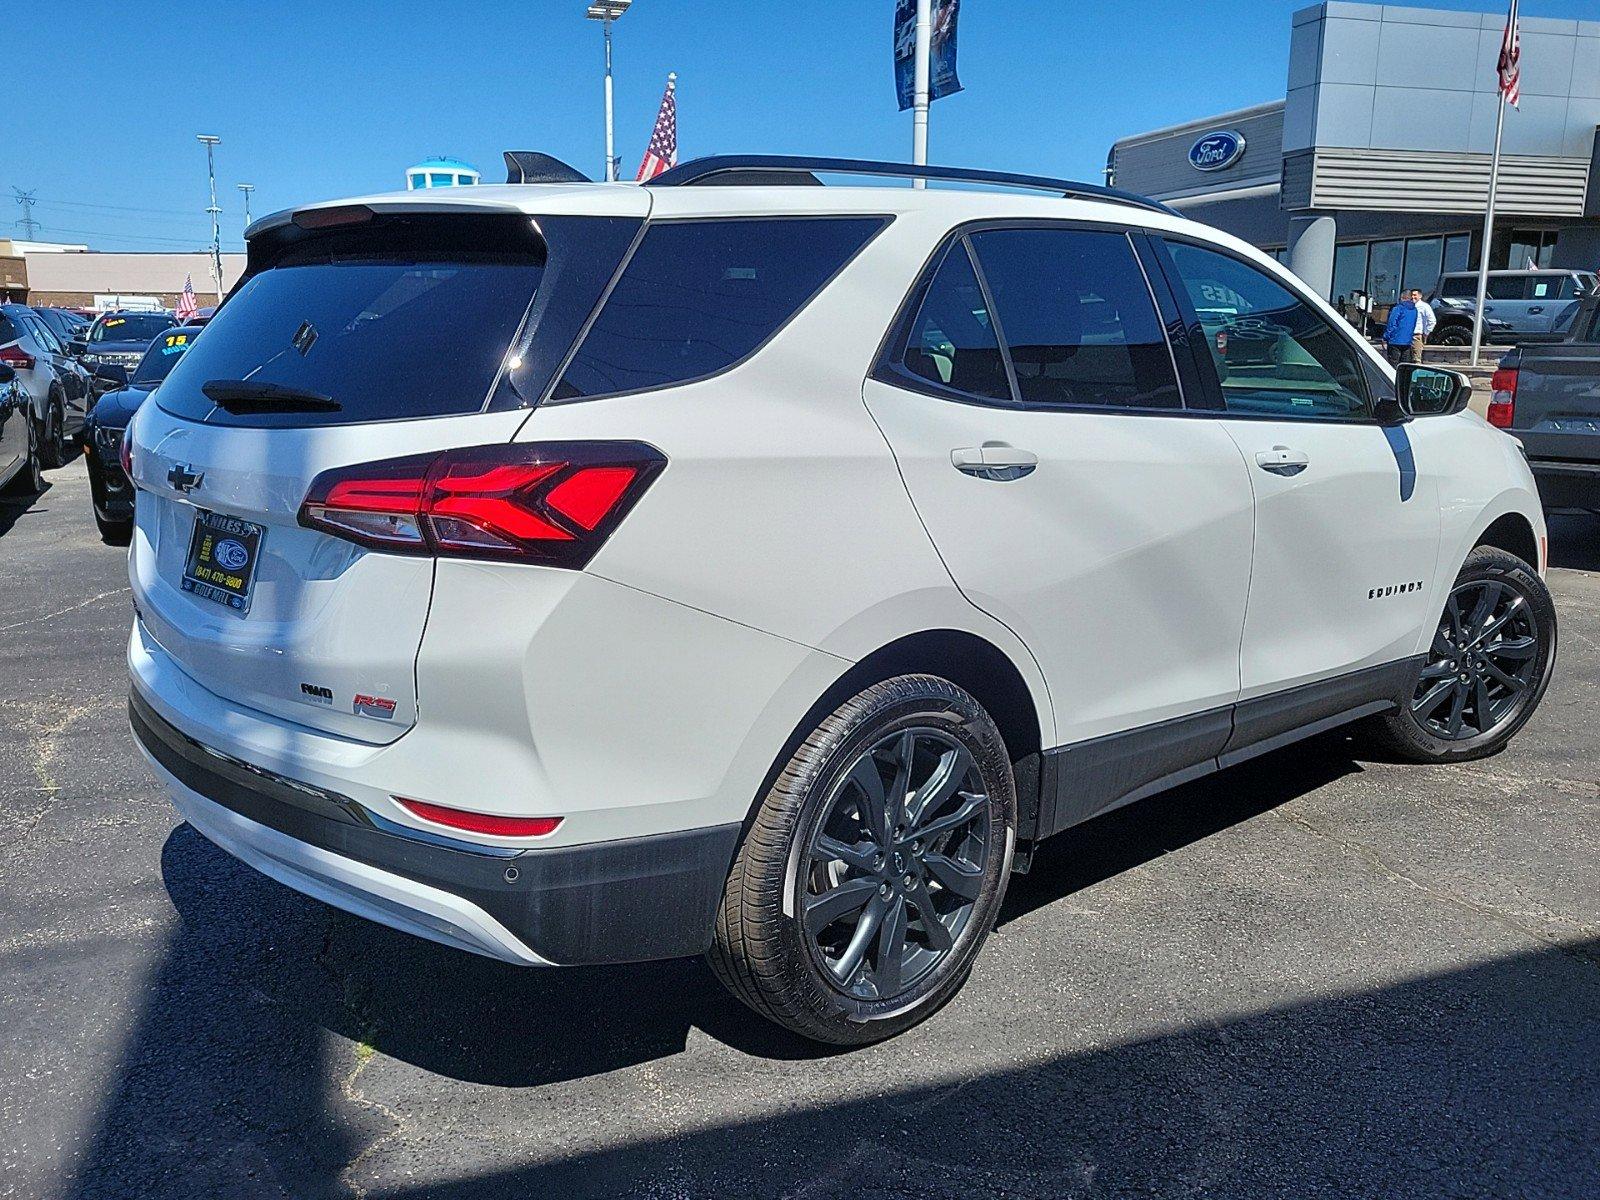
1274,353
1076,317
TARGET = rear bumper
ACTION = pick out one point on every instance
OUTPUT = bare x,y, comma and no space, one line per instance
624,901
1568,485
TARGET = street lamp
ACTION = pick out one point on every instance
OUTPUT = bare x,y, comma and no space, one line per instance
246,188
607,11
211,143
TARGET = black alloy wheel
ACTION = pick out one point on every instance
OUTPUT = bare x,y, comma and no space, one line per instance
895,867
1484,658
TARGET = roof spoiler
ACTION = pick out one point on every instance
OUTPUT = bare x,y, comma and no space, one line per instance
530,166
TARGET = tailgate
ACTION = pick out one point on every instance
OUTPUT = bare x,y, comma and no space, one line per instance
1558,402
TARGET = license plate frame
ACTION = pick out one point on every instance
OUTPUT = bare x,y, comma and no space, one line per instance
214,569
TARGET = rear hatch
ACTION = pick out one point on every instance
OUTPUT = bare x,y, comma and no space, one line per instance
357,334
1557,413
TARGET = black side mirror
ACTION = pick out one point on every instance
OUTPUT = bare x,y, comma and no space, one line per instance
1430,391
78,346
116,376
7,373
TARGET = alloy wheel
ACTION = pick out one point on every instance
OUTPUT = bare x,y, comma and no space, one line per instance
1484,658
895,867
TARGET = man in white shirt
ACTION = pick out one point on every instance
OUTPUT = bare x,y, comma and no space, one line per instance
1427,322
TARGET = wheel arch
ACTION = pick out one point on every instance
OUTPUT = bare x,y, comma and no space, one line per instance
971,662
1513,533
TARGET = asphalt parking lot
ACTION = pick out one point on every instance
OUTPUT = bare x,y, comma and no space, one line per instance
1319,975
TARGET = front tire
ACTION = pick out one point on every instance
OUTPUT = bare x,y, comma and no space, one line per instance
1488,666
875,866
53,453
1455,335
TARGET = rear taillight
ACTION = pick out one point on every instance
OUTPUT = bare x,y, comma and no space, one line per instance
125,455
16,358
475,822
545,502
1503,404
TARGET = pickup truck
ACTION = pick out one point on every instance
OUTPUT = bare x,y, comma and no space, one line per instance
1547,393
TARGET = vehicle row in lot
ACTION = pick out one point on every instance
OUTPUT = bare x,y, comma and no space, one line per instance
572,573
1520,304
60,388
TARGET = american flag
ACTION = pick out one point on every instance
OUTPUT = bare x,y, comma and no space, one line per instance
188,309
663,150
1510,67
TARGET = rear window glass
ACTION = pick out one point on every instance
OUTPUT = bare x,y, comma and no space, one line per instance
699,296
385,334
129,327
162,356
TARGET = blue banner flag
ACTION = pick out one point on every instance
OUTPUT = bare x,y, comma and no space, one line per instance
942,79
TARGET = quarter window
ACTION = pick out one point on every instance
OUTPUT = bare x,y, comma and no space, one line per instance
1275,354
699,296
1076,317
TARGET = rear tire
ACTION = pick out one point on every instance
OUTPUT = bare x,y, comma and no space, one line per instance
1454,336
114,533
1487,669
875,866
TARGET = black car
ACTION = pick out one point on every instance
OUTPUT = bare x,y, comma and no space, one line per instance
64,323
109,488
119,339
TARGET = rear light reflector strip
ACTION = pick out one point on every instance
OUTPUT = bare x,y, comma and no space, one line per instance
484,823
545,502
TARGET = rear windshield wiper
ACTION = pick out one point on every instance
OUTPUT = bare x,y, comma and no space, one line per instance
243,396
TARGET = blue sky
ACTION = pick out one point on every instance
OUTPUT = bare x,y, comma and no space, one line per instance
338,98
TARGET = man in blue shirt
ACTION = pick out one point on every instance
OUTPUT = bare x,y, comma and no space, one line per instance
1402,328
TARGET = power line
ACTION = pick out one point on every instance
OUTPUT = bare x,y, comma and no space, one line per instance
154,212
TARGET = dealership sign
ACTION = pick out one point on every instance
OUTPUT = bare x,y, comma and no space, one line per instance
1217,151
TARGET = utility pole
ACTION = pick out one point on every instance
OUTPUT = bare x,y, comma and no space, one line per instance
30,227
247,188
920,87
607,11
211,143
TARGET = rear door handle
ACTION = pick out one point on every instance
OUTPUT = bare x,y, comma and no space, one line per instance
1001,463
1537,308
1281,460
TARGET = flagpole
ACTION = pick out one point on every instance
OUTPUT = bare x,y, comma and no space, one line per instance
1488,211
920,88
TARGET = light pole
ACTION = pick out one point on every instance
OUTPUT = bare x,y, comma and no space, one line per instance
920,87
211,143
607,11
246,188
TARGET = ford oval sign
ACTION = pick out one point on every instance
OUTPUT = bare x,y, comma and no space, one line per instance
1217,151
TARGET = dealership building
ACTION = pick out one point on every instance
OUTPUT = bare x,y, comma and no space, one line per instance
1371,174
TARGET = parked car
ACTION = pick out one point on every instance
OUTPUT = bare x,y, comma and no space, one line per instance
1548,395
1528,302
64,323
119,339
109,490
60,386
20,468
806,559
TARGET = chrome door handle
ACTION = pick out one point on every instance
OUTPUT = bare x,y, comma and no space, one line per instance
1281,460
1000,463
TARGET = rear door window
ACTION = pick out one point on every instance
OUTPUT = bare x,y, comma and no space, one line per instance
1508,287
1076,316
952,342
698,297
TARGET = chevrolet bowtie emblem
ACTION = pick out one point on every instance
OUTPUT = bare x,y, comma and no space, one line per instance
184,479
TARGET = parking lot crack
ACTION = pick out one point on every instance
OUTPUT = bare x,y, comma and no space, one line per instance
1513,922
45,723
61,612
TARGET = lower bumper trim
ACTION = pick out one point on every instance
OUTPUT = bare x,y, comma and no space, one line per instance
631,900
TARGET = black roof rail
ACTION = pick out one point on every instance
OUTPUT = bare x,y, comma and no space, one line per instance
744,169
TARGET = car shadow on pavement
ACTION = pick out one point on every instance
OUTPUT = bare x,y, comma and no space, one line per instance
1575,541
14,508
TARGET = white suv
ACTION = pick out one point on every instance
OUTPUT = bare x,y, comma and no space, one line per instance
580,573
